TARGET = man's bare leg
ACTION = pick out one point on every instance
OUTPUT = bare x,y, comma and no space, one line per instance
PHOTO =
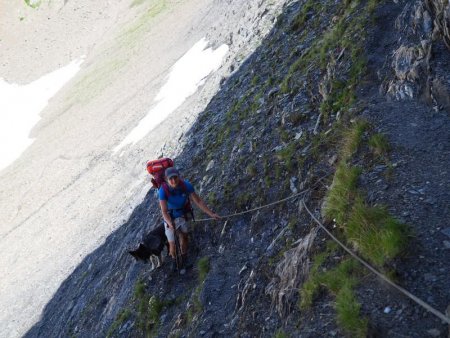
184,243
172,249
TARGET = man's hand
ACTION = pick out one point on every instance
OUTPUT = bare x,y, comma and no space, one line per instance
171,226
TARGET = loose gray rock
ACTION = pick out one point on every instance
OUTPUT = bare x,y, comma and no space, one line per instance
292,185
446,232
210,165
427,23
434,332
430,277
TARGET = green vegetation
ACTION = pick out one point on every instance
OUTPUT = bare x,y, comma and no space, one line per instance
33,3
148,310
352,139
142,299
348,313
379,144
255,80
298,117
203,268
371,230
375,233
137,3
195,305
301,18
311,286
287,155
339,281
280,334
130,37
251,170
122,317
342,192
284,135
292,222
98,78
211,198
243,200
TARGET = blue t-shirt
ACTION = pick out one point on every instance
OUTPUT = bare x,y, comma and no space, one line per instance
177,198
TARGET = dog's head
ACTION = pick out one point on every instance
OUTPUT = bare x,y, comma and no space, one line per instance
141,253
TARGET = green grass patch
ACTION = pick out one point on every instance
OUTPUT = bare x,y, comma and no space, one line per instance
342,192
203,268
33,3
243,200
196,305
301,18
137,3
352,139
280,334
375,233
379,144
148,310
255,80
251,170
340,281
95,81
287,155
122,317
333,280
136,30
348,313
371,230
298,117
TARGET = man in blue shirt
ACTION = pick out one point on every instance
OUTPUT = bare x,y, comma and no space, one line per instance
174,199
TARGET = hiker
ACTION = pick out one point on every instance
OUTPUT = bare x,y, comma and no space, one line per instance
174,199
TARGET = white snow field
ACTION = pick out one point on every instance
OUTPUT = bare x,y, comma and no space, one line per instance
186,76
21,106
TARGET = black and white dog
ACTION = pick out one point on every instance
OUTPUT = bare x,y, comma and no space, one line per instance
151,247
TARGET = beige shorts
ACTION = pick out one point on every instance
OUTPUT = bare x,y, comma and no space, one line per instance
180,225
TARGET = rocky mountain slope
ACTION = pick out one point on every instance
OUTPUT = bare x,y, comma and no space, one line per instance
346,102
69,190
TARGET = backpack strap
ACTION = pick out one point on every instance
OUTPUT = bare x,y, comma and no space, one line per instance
166,189
187,208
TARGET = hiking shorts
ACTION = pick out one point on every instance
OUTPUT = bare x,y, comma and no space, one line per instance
180,224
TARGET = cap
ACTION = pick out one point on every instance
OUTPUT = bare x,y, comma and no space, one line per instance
171,172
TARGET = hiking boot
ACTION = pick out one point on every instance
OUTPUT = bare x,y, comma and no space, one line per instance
173,264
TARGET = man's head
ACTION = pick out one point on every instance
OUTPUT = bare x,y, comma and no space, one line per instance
172,177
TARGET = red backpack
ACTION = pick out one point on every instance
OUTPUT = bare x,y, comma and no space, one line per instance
157,169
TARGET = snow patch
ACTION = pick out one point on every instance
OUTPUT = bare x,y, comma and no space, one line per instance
20,107
188,73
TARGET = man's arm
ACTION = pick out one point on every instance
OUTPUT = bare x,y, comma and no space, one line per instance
165,213
202,205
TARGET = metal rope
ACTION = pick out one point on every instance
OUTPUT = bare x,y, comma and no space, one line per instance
255,209
379,274
426,306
